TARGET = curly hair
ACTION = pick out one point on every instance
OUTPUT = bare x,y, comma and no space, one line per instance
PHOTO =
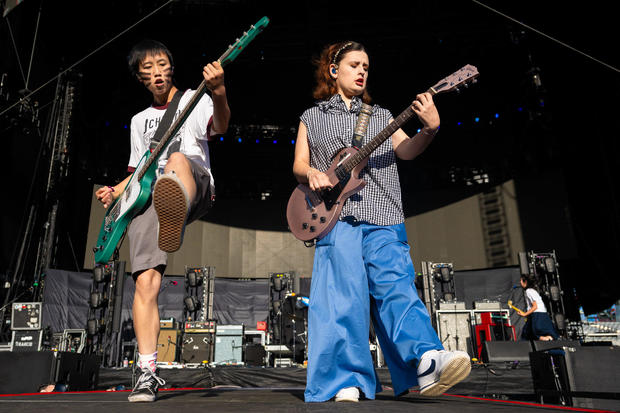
333,54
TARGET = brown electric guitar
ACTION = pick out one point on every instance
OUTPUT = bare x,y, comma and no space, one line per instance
312,214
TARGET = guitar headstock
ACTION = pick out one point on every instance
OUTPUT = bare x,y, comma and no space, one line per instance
233,50
461,78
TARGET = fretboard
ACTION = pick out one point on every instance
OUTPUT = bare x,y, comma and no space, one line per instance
365,151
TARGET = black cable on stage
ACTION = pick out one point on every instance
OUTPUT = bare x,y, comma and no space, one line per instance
85,57
548,37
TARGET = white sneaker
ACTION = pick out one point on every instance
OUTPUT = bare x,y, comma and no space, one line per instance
440,370
348,394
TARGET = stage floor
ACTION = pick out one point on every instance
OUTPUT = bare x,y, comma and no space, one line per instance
249,400
242,389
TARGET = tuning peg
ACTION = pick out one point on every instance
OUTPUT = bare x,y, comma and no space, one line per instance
457,90
474,80
465,85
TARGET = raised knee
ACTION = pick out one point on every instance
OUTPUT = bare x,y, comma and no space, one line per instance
177,160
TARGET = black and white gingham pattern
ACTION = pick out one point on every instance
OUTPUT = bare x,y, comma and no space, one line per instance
330,127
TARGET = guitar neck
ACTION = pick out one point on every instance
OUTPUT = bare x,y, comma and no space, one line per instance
375,142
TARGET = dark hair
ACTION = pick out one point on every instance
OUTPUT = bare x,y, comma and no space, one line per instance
333,54
142,49
530,282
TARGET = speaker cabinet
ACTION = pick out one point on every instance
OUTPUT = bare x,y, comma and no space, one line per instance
506,351
197,348
167,345
454,330
547,345
26,340
584,377
255,355
27,372
78,371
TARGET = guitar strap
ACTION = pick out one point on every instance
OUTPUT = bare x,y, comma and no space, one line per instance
166,120
361,125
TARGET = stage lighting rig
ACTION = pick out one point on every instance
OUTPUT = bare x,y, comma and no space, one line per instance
104,313
98,299
443,273
199,290
192,304
437,285
195,276
102,273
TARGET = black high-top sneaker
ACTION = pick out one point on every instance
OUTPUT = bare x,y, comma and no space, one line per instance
146,387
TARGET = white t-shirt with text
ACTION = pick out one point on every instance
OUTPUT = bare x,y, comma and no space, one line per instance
191,140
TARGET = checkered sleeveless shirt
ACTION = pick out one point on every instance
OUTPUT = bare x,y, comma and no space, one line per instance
330,127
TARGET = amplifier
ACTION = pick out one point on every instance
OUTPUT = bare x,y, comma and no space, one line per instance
451,305
26,316
168,323
454,329
200,326
585,377
28,340
167,344
197,348
255,355
27,372
487,305
229,344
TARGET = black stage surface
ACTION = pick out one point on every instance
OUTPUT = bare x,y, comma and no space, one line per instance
240,389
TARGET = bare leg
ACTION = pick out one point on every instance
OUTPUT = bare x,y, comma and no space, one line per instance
178,163
145,310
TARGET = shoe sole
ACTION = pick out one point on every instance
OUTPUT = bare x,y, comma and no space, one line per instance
170,203
141,398
456,371
347,400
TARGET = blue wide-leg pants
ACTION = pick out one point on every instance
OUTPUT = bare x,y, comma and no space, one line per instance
358,269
